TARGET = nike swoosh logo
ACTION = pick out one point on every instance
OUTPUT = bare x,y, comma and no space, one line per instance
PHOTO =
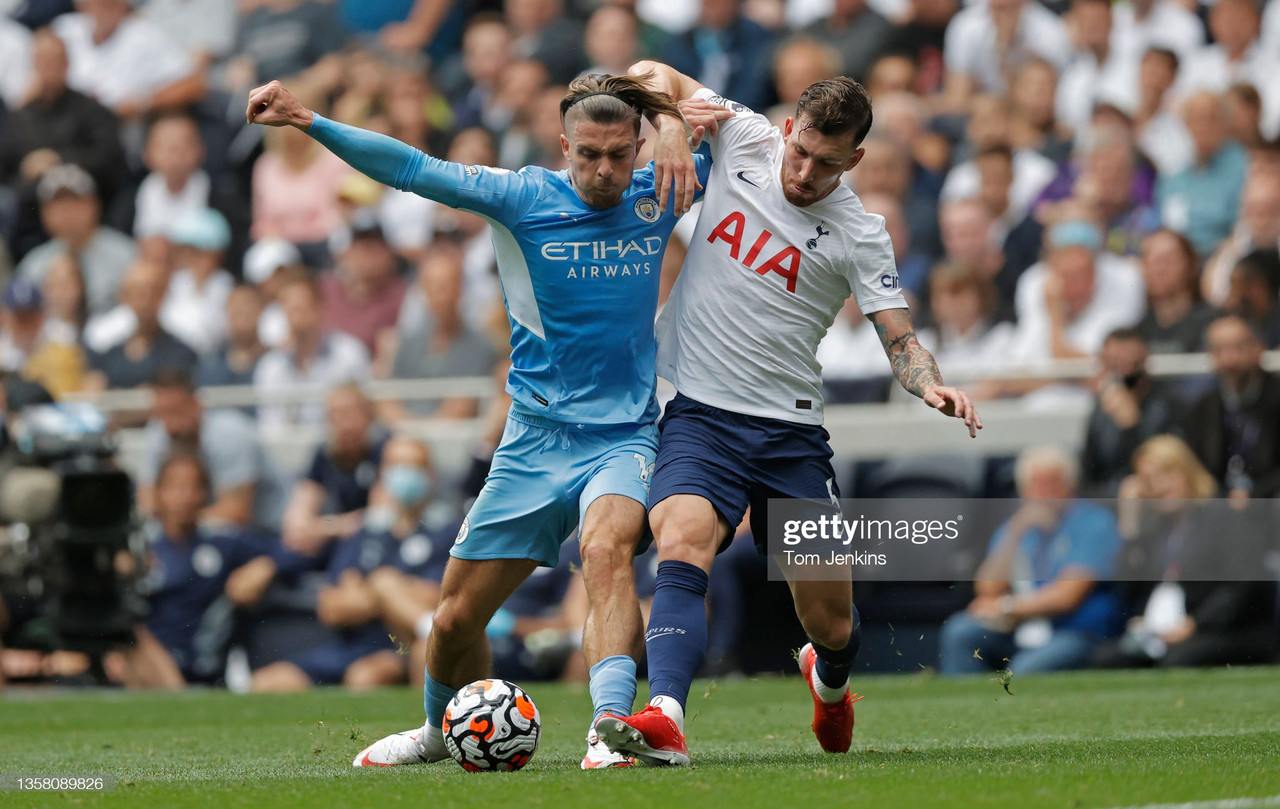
742,175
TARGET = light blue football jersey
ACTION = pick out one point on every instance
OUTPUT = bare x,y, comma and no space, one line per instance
580,283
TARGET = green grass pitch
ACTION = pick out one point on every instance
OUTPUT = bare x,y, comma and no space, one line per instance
1071,740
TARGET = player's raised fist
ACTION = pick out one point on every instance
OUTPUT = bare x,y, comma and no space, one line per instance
273,105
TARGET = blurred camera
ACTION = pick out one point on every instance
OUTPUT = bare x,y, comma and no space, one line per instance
73,542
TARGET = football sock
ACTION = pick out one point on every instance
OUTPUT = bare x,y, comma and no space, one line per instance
435,698
677,636
832,665
613,686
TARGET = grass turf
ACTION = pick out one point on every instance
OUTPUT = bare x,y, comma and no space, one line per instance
1071,740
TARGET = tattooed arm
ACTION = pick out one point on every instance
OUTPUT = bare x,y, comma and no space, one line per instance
916,369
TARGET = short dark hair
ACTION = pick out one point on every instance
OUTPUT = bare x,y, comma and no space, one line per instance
1128,334
179,457
173,379
834,107
1170,57
1262,265
1000,150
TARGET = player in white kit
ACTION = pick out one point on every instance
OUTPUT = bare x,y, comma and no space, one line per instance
780,245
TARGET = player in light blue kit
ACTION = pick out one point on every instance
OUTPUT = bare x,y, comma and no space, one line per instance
579,256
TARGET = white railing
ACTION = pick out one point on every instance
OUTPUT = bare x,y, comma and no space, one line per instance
858,432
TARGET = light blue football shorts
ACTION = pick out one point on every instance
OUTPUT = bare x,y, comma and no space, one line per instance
545,475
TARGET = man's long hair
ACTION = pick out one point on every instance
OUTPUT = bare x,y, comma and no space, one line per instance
606,99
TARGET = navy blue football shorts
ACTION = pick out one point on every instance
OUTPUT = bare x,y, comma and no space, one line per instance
736,461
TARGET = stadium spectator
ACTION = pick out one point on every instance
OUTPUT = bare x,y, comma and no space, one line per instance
177,184
312,358
1177,618
406,26
15,62
363,293
797,63
470,78
54,126
887,168
1160,132
1235,57
63,367
540,30
1244,114
1097,70
968,240
986,42
267,263
440,345
205,29
194,308
1042,602
1141,25
234,362
185,586
386,573
1129,407
1201,201
149,348
1255,294
295,189
1234,429
965,337
1257,229
33,344
1034,124
1070,302
989,128
126,62
1176,316
612,39
329,501
857,31
725,50
286,38
920,36
71,211
245,488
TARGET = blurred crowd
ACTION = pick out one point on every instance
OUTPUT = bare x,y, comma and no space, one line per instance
1067,179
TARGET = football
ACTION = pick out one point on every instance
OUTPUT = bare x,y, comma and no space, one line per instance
491,725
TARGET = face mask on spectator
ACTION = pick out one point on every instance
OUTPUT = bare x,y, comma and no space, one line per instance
407,484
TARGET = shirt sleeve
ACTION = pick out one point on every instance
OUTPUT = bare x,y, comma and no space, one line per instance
745,127
1095,542
872,271
500,194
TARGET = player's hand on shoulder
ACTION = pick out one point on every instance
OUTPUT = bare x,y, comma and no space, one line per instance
698,112
956,403
273,105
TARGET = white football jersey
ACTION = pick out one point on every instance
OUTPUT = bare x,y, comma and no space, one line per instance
764,279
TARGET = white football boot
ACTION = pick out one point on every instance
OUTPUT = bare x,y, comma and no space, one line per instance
408,747
600,756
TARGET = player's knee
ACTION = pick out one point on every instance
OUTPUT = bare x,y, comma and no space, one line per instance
455,622
827,626
603,556
693,544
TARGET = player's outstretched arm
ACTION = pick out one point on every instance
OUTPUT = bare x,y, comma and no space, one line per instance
916,369
378,156
665,79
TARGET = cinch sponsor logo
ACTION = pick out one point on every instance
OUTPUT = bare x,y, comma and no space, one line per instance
602,250
889,281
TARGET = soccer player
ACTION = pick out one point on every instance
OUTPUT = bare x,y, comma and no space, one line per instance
579,254
780,245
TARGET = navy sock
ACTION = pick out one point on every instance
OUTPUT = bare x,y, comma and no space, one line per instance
832,665
677,636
